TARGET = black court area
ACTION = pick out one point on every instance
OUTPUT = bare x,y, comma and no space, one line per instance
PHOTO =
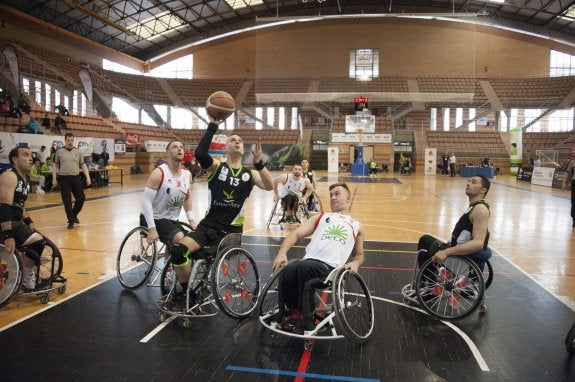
110,334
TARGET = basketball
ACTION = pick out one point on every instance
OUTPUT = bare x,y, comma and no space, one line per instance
220,105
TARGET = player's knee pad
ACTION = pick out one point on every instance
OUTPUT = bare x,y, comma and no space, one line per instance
179,254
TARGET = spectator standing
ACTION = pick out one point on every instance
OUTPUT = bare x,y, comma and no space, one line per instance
452,161
66,173
42,154
59,123
569,176
46,122
537,162
104,156
445,164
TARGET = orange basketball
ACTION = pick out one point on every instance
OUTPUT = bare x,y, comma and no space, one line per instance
220,105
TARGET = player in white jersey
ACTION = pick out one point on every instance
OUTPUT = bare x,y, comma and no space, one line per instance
167,191
335,236
292,187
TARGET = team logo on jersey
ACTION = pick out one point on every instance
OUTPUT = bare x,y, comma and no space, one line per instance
228,196
245,177
175,203
336,233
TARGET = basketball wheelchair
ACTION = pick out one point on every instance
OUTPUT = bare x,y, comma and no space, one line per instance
277,214
570,340
343,308
224,277
450,290
48,272
138,261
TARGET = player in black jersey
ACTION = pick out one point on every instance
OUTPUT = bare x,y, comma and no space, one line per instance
230,185
470,235
17,228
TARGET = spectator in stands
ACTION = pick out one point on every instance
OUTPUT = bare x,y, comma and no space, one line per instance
42,154
452,161
537,162
36,176
372,168
34,127
59,123
23,104
569,176
46,122
68,164
445,164
104,157
62,110
52,155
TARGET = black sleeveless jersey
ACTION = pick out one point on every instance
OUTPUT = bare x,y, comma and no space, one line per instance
229,189
464,228
20,195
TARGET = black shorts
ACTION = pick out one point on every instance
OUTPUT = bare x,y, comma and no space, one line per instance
205,235
21,232
166,228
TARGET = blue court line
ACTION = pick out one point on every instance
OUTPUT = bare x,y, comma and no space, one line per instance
325,377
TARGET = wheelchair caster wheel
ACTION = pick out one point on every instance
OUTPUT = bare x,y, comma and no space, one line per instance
62,290
483,308
186,323
44,299
162,317
309,344
406,301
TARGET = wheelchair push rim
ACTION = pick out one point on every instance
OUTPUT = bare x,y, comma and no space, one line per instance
450,290
10,276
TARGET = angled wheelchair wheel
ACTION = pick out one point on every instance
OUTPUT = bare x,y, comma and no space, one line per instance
268,302
274,212
235,282
167,278
450,290
570,340
488,274
353,306
10,276
52,260
136,259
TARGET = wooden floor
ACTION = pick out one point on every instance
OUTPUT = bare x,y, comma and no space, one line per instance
530,225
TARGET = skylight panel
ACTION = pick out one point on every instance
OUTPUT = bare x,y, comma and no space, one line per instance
156,25
238,4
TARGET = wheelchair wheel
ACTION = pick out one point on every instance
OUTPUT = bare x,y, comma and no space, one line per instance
268,301
353,306
569,340
235,282
136,259
167,278
488,274
450,290
10,276
273,213
53,259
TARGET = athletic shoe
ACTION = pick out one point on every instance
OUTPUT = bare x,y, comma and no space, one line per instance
28,279
70,225
76,221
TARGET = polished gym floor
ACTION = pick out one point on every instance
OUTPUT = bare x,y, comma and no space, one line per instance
98,331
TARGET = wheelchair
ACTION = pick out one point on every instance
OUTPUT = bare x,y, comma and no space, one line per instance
302,213
343,309
48,273
570,340
450,290
224,278
137,261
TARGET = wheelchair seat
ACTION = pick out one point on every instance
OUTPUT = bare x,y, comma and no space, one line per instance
343,309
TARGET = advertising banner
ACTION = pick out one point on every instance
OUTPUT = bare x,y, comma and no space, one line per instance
430,161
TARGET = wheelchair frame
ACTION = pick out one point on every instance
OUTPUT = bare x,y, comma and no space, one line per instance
48,273
570,340
302,211
224,277
135,251
337,312
450,290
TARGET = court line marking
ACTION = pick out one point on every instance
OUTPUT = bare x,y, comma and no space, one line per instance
325,377
157,329
474,350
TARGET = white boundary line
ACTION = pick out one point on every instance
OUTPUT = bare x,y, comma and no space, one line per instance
157,329
476,353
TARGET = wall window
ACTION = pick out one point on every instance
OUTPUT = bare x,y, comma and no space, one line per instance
38,92
75,102
48,99
125,111
446,119
561,64
294,118
26,85
561,120
179,68
115,67
433,119
364,64
282,118
458,117
271,116
472,113
259,114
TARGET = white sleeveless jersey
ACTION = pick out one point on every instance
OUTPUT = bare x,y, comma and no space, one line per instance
292,185
171,193
333,239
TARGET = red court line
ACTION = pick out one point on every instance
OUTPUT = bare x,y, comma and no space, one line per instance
303,364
